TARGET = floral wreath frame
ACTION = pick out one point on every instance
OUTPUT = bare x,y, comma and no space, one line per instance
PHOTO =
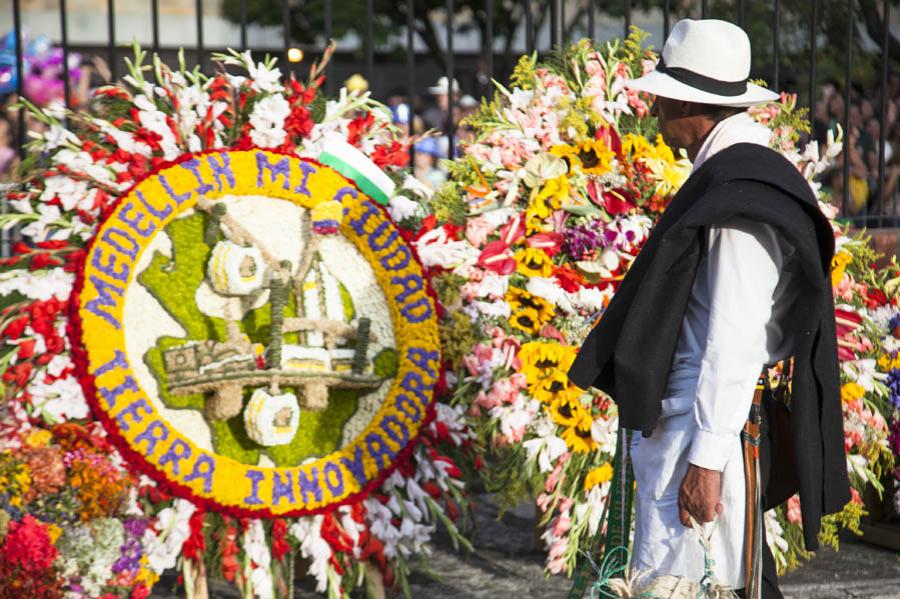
371,222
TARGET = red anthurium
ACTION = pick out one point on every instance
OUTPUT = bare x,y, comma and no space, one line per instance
513,230
611,138
551,243
616,203
497,257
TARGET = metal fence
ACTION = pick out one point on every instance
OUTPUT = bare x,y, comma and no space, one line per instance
538,16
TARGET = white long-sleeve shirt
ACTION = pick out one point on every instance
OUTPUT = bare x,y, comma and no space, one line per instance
734,323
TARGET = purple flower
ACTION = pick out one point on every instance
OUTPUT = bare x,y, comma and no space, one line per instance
893,384
130,551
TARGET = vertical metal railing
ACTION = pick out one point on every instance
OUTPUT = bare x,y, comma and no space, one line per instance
540,24
64,39
154,25
813,48
776,46
847,79
451,82
242,16
200,46
111,39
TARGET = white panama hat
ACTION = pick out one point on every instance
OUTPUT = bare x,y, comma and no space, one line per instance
707,62
442,86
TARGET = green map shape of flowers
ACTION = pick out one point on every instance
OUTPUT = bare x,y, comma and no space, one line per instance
173,283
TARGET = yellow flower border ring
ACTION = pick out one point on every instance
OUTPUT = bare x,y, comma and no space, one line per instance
132,419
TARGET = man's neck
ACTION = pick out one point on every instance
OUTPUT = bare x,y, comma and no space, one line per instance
703,131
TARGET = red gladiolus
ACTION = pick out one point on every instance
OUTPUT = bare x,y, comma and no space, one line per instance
195,545
15,329
568,279
280,546
395,154
497,257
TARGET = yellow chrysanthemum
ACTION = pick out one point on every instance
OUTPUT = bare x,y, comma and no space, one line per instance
578,437
595,157
838,266
526,320
553,386
851,392
533,262
38,437
598,476
567,411
887,363
519,298
54,532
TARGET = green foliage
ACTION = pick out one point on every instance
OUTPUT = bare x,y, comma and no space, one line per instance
173,282
447,286
385,363
448,205
458,337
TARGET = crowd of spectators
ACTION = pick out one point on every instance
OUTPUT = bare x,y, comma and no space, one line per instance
867,196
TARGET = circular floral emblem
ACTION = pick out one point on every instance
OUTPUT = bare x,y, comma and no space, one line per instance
255,333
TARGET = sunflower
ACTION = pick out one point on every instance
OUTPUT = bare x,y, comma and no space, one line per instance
578,437
595,157
567,411
526,320
567,153
552,196
598,476
533,262
519,298
552,386
539,357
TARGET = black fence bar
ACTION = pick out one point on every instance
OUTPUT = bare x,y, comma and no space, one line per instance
882,130
370,41
704,9
740,13
451,81
627,17
813,48
555,29
489,38
847,79
111,38
286,29
591,23
411,71
529,27
242,7
64,38
329,33
20,74
200,33
776,46
667,17
154,24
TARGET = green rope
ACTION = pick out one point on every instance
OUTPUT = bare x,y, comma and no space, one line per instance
617,515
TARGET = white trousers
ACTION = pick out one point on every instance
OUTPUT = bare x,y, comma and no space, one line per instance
662,545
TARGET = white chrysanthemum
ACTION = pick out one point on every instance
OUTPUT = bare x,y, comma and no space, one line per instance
59,401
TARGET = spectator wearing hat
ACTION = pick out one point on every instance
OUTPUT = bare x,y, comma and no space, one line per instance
435,117
425,163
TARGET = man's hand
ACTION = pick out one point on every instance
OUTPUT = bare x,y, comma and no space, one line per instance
699,495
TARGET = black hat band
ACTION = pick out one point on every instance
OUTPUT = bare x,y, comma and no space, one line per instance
702,82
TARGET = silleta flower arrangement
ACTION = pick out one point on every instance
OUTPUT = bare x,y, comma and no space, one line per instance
220,354
543,215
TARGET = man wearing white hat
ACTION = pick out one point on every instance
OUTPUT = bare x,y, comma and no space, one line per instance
435,117
734,278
